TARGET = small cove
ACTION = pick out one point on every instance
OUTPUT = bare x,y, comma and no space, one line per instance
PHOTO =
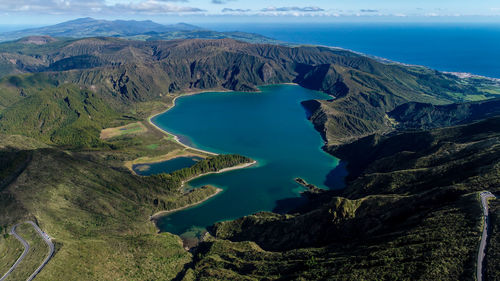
270,127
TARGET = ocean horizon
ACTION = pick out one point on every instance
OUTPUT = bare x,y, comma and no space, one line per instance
452,47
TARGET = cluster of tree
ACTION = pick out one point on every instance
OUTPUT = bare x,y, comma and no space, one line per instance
212,164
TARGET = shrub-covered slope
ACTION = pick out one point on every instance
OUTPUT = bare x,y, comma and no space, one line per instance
410,211
98,215
124,72
414,115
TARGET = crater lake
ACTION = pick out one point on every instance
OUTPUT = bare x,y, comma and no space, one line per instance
270,127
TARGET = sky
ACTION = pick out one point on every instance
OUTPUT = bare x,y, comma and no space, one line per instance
36,12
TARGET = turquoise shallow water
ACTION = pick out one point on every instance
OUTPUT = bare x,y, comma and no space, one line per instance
270,127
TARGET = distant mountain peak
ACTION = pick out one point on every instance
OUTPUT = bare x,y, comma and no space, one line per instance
80,20
129,29
91,27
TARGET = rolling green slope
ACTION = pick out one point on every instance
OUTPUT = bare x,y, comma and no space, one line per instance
410,208
126,72
63,115
11,250
493,247
427,116
98,215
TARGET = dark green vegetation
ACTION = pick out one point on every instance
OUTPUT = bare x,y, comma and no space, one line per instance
212,164
427,116
410,211
421,220
123,74
130,29
62,115
177,178
368,92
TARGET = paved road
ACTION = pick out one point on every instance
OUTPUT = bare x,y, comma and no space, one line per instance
45,238
49,243
484,237
21,257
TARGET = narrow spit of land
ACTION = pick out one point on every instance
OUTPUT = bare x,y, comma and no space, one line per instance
176,139
219,190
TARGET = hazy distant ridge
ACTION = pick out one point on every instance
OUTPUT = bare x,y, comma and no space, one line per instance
132,29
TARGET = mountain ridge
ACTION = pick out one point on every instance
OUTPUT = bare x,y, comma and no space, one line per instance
63,93
126,71
410,206
129,29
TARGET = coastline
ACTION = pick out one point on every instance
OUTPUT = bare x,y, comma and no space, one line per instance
237,167
157,215
160,214
162,158
459,74
175,137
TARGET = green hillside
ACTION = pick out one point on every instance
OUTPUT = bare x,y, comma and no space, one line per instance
410,209
119,73
98,215
63,115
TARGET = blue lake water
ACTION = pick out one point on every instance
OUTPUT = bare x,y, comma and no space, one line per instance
457,47
270,127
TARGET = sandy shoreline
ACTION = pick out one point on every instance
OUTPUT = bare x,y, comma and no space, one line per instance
176,138
162,158
237,167
219,190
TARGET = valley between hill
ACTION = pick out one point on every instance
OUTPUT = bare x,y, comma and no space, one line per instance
410,209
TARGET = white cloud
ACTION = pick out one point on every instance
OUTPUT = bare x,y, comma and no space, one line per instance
220,2
153,7
236,11
94,6
292,9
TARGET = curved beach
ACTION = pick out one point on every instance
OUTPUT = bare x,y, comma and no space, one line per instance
176,138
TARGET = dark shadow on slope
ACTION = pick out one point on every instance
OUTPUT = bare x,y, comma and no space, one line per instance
286,205
335,179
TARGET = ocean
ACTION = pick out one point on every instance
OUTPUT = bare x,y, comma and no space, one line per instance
456,47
